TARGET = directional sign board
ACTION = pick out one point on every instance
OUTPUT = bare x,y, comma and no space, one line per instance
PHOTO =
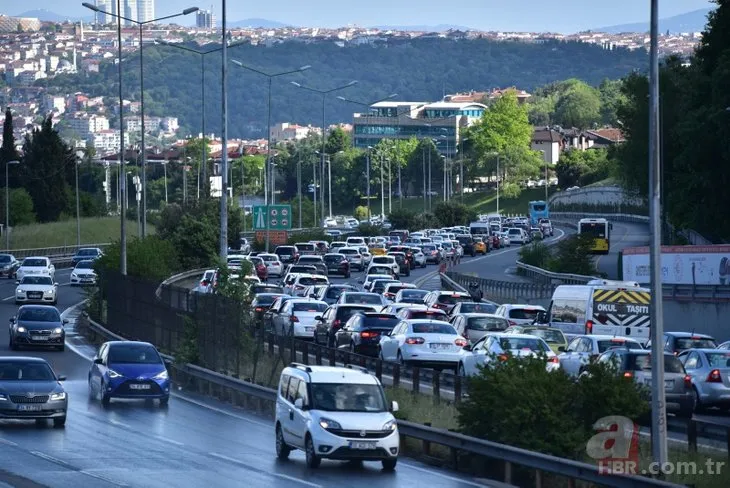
273,217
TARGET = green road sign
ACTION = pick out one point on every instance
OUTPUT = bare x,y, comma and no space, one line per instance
276,217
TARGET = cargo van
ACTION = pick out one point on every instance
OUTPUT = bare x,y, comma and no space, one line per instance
607,307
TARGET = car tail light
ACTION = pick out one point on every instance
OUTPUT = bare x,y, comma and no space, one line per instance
628,374
369,334
460,342
298,287
687,381
204,283
336,324
259,309
293,318
714,376
439,306
554,360
415,340
502,357
589,327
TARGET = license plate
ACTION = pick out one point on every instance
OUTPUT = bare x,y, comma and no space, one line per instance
309,329
361,445
40,338
668,384
440,347
87,281
30,408
139,387
35,295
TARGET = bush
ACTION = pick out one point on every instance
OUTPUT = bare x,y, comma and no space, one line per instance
369,230
573,255
402,219
21,207
151,258
360,213
451,214
536,254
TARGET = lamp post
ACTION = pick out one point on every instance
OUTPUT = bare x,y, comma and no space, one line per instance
382,188
140,25
461,169
7,203
367,177
324,94
79,155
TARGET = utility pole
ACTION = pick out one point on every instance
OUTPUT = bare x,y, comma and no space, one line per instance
299,184
224,139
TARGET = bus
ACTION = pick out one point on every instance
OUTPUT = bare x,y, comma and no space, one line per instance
600,229
538,210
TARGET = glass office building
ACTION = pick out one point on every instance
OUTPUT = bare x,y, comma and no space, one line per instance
440,121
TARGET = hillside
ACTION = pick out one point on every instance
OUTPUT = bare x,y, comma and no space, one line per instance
416,70
690,22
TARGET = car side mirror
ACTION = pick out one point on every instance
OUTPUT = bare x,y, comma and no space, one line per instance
65,321
467,348
61,378
318,318
17,282
299,403
55,284
12,320
98,361
394,407
561,349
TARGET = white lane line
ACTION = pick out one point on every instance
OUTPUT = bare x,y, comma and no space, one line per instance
444,476
7,442
102,478
276,475
120,424
52,459
169,441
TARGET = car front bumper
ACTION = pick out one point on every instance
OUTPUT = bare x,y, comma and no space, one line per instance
47,410
43,299
28,339
133,388
346,445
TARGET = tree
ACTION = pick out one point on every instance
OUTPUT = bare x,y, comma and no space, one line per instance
8,152
337,140
611,99
21,207
402,219
583,167
451,214
579,107
504,125
45,169
361,213
151,258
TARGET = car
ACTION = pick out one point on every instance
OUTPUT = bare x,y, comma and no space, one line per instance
302,281
467,243
518,314
306,249
419,258
36,265
391,290
337,263
404,266
676,342
287,254
362,332
258,288
84,273
332,293
480,247
474,307
362,298
129,369
261,303
494,347
315,261
36,289
259,267
368,281
445,300
39,326
583,349
474,326
388,261
353,257
31,390
274,267
411,295
710,372
423,342
553,336
394,308
8,265
298,318
86,253
313,291
423,313
335,318
378,286
335,413
432,253
301,268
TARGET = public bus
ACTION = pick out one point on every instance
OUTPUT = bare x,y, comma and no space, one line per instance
538,210
600,229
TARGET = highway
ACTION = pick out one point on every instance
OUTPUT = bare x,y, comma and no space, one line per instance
623,235
194,442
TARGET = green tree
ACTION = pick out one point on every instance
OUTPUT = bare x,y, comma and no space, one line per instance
451,214
579,106
583,167
151,258
337,140
45,168
504,125
21,207
611,99
8,151
573,255
402,219
361,213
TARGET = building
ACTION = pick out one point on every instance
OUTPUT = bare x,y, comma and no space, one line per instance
292,132
107,141
106,6
18,24
145,10
440,121
204,19
549,142
86,125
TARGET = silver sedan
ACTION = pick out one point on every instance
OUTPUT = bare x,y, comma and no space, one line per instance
710,373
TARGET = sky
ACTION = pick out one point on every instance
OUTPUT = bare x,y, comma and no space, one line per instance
566,16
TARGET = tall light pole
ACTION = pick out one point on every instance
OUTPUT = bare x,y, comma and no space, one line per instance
140,25
7,203
324,94
224,137
658,397
461,169
299,183
382,188
367,177
79,155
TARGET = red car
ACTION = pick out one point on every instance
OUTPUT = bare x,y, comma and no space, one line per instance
260,267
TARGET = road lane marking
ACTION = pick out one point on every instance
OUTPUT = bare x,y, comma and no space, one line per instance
248,466
7,442
170,441
444,476
120,424
101,478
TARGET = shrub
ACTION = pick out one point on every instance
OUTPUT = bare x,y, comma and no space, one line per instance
573,255
536,254
151,258
360,212
369,230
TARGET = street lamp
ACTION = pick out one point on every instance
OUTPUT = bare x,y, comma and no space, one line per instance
79,155
461,169
141,25
7,203
324,94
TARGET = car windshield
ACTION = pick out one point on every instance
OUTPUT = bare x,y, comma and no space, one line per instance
524,313
311,260
4,258
133,354
348,251
642,362
36,280
478,308
718,359
344,313
269,258
307,281
427,314
285,251
334,258
305,247
604,346
264,300
522,344
551,336
347,397
309,307
363,298
452,299
381,322
413,294
379,285
25,371
85,265
334,292
39,315
429,328
684,343
487,323
34,262
302,269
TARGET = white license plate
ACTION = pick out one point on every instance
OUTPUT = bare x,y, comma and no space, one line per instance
309,329
30,408
440,347
139,387
40,338
362,445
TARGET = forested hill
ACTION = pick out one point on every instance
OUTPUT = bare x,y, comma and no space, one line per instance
420,70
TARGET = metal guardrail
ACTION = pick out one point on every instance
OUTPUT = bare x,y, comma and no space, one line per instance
232,389
545,276
642,219
52,252
172,281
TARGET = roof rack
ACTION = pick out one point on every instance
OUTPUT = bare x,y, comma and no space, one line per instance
359,368
301,366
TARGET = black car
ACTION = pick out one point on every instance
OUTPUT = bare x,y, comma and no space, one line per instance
467,242
258,288
30,390
337,264
261,303
8,265
37,325
332,293
403,264
362,332
333,319
287,254
86,254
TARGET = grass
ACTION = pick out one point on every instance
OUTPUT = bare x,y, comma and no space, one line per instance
484,201
94,230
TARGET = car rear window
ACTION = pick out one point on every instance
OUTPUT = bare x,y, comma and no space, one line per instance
551,336
305,247
683,343
333,258
309,307
642,362
364,298
523,313
256,289
604,346
344,313
349,251
718,359
336,291
478,308
309,281
433,329
265,300
521,344
487,323
452,299
427,314
380,322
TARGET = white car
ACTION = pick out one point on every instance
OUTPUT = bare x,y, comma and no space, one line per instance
429,342
419,259
366,255
362,298
333,412
34,266
36,289
498,347
519,314
274,266
353,257
235,261
367,283
299,315
518,235
304,280
355,242
388,261
84,274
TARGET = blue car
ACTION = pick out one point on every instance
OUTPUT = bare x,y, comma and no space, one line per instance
86,254
128,369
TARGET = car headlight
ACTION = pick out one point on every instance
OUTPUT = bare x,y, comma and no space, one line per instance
58,396
3,397
329,424
49,292
57,330
19,291
162,376
74,276
390,425
113,374
22,329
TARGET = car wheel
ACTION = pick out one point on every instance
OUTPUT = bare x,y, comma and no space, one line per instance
389,464
60,422
462,371
313,460
282,450
105,398
164,401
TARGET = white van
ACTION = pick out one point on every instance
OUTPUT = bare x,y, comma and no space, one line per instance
619,308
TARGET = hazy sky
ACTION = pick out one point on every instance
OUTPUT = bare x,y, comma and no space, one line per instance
523,15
